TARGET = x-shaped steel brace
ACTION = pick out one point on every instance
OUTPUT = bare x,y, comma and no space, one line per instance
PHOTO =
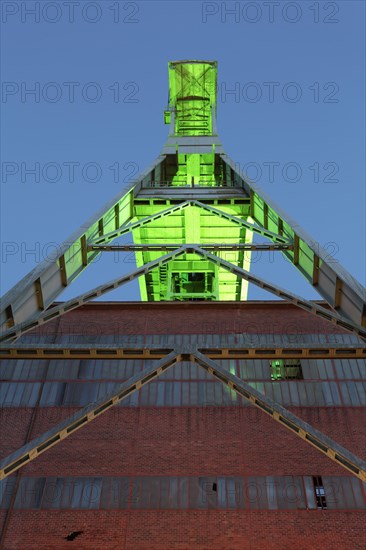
314,437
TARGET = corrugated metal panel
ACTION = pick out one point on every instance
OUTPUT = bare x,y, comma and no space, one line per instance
164,492
317,369
7,487
72,493
274,494
115,493
37,338
331,394
253,369
19,394
52,493
177,393
294,395
256,493
336,493
63,370
52,394
361,365
80,393
90,369
29,494
294,491
358,494
361,390
23,369
353,394
309,492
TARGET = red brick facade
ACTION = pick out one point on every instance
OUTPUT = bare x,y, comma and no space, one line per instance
184,441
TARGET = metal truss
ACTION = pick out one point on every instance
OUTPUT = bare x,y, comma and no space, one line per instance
38,290
237,221
305,431
300,350
141,223
307,305
324,273
30,303
311,307
17,331
168,211
33,299
223,247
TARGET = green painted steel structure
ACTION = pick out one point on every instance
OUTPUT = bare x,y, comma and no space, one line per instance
190,202
192,114
191,196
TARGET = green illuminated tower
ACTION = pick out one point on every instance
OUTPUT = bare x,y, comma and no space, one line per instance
191,167
193,218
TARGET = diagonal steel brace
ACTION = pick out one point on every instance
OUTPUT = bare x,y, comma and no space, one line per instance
44,317
310,435
308,306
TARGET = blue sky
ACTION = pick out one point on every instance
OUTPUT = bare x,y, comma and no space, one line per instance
100,74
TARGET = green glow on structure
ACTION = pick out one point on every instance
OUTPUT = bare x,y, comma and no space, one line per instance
192,96
192,162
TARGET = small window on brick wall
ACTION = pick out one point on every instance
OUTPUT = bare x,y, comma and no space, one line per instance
286,369
319,491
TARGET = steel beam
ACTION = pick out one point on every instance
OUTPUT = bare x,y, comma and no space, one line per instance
324,272
235,220
140,223
311,307
238,221
37,446
17,330
173,246
300,350
41,287
310,435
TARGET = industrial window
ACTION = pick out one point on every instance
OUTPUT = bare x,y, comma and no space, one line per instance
319,491
286,369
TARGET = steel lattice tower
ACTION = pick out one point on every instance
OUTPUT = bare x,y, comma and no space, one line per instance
193,218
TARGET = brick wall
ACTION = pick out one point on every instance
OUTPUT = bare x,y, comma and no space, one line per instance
187,530
184,441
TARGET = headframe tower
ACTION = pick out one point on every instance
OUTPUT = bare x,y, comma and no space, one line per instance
193,218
